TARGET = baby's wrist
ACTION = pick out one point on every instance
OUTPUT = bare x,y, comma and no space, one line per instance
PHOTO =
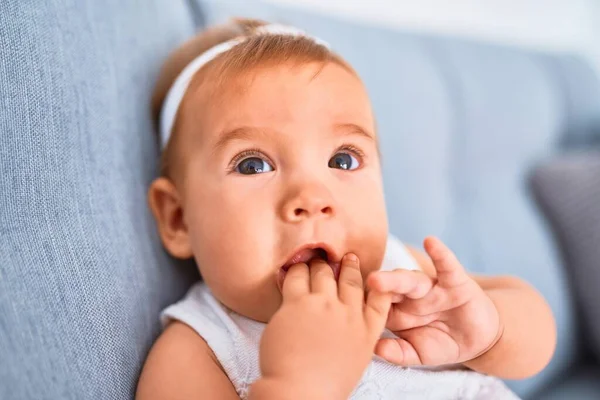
476,362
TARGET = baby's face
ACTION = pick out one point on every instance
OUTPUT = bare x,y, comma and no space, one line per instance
282,160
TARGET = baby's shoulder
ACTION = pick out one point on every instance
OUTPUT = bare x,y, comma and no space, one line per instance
182,365
204,315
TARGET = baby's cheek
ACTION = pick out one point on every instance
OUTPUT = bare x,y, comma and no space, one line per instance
373,260
372,247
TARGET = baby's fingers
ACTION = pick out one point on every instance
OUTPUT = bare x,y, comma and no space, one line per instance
377,308
399,319
450,271
296,282
398,351
350,285
401,282
322,279
427,345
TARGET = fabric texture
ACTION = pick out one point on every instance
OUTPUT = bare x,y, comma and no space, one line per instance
568,190
235,339
82,272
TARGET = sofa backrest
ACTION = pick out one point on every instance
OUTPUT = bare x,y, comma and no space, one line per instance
82,273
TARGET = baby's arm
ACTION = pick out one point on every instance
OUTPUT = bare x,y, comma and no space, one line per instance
182,366
299,357
529,337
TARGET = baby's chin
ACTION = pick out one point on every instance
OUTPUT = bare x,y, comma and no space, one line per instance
262,313
259,305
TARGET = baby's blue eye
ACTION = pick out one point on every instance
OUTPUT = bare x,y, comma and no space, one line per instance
253,165
343,161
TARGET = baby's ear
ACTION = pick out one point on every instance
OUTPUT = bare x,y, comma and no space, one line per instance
166,207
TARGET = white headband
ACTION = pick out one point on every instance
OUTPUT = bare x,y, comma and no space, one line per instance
179,87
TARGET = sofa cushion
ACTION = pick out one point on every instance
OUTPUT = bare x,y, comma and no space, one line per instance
580,384
82,273
568,190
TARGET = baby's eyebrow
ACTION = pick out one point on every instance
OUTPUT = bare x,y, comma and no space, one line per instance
249,132
353,129
241,133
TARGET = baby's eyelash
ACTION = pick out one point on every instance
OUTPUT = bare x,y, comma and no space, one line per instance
245,154
259,154
353,149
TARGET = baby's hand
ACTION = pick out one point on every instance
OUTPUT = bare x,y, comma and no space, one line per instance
439,321
322,338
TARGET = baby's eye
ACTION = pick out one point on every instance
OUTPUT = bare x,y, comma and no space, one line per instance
343,160
253,165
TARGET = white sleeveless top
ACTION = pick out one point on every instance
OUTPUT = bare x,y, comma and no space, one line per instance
234,339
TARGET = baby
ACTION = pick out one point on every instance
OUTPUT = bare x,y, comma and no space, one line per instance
271,181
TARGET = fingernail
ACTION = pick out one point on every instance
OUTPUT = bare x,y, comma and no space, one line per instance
351,257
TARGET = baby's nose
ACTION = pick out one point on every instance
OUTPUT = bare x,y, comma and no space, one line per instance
308,204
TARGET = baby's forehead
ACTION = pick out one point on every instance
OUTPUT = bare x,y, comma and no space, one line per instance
304,93
226,80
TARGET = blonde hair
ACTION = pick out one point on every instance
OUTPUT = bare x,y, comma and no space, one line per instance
256,50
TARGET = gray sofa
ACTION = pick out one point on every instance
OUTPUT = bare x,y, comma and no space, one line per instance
82,273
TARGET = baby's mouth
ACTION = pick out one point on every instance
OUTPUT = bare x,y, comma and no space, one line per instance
306,256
